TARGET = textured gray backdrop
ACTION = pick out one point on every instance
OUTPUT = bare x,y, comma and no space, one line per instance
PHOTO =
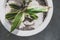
52,32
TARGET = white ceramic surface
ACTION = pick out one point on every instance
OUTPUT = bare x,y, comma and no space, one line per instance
25,33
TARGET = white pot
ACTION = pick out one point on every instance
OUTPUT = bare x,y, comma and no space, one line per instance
25,33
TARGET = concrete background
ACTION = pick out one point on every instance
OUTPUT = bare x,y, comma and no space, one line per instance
52,32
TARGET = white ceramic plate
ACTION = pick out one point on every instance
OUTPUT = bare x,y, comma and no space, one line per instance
26,33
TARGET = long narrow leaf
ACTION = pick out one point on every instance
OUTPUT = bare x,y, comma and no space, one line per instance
11,15
17,21
33,16
14,6
37,10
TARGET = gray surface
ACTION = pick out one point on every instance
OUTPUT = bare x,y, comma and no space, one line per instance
52,32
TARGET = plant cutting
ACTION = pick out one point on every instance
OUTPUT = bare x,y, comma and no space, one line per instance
18,16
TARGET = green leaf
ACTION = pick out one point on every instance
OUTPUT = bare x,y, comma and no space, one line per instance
12,5
10,15
17,21
33,16
36,10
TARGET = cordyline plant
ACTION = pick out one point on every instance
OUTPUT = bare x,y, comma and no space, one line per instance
21,12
